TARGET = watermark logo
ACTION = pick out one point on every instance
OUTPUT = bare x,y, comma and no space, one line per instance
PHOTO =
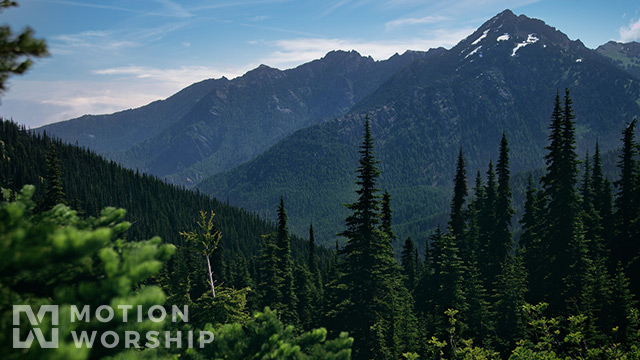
35,321
108,339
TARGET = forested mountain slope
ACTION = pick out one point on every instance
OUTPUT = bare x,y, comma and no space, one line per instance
217,124
624,55
501,78
153,207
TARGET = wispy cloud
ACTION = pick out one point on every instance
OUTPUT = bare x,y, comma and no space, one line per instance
174,9
170,9
110,40
274,29
414,21
208,5
259,18
182,76
630,32
335,6
90,39
456,5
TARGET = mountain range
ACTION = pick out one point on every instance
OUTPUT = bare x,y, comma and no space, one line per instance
296,132
217,124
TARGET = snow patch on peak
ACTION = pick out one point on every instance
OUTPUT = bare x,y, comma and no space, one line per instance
503,37
484,35
474,51
532,38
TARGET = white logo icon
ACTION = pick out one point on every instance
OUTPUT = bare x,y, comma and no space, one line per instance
18,343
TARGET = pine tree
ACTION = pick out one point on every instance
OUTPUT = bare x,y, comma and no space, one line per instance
563,202
241,278
285,268
457,220
590,216
426,286
303,285
312,258
474,212
407,261
535,250
270,285
622,303
602,204
334,293
376,309
626,246
54,193
596,294
509,298
487,223
449,280
478,317
501,242
577,279
316,278
386,216
552,158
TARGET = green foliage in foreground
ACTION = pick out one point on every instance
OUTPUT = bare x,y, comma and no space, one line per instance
547,339
58,258
264,337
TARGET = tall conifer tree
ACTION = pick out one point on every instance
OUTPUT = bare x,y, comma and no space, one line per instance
449,279
316,278
270,284
408,262
304,291
563,205
487,222
474,212
377,308
509,298
312,258
387,216
502,242
602,204
457,221
54,193
531,240
626,246
285,268
426,283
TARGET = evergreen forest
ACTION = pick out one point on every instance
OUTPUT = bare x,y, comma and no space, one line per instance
566,287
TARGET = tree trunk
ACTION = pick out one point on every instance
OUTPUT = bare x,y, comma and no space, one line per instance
213,290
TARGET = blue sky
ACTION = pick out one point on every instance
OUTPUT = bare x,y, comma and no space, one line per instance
112,55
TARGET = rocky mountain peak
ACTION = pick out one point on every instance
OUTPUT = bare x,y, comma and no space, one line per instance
507,35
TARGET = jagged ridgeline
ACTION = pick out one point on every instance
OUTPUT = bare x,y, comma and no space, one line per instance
153,207
501,78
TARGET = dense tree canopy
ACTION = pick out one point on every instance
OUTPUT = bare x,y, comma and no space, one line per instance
566,286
